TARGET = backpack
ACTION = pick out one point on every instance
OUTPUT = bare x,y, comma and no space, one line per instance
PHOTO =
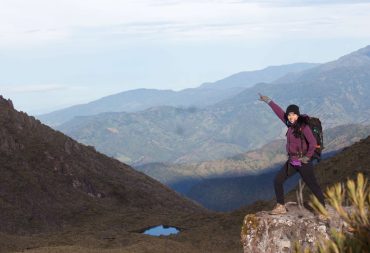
316,128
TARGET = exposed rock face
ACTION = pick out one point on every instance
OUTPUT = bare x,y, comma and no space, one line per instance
264,233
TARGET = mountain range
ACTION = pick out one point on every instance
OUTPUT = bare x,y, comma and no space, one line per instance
206,94
58,195
337,92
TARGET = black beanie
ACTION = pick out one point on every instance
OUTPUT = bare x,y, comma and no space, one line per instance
292,108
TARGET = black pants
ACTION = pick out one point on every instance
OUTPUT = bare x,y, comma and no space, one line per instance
306,172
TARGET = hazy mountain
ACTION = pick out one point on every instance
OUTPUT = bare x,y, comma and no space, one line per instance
336,92
247,79
137,100
357,60
141,99
157,134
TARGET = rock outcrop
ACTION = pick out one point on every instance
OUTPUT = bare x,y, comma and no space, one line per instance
265,233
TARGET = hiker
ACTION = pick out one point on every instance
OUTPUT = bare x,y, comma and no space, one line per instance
300,147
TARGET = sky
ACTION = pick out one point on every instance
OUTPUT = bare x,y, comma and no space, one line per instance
58,53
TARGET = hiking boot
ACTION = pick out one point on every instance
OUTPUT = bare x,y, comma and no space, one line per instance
278,209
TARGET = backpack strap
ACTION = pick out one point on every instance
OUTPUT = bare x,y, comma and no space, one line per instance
302,137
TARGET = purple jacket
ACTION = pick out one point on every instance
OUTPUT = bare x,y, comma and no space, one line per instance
295,145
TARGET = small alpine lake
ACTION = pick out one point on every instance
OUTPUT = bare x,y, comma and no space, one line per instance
161,230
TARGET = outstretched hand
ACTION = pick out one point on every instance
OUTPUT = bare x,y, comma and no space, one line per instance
263,98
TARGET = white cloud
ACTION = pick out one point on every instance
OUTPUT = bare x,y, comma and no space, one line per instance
24,22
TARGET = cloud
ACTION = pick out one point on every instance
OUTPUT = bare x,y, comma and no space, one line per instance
244,21
25,22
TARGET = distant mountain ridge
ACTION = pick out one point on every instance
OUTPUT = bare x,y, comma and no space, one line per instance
247,79
336,92
206,94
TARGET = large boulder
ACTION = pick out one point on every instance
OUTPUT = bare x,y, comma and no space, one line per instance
265,233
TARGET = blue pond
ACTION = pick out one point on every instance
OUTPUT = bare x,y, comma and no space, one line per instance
161,230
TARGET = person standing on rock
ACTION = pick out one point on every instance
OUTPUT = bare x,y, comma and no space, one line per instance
300,148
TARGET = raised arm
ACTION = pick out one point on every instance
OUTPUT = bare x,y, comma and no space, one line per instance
277,109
